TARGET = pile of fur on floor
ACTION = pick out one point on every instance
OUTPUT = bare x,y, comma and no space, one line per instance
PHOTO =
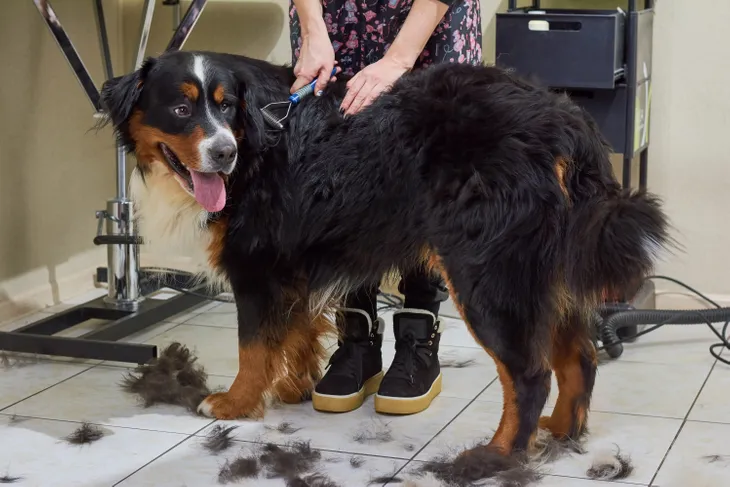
174,377
296,463
482,465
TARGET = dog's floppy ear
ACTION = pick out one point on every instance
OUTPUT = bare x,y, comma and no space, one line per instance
120,95
254,125
255,90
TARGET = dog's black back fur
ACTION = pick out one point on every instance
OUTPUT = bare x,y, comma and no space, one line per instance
507,186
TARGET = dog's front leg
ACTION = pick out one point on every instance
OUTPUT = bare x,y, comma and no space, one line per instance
258,350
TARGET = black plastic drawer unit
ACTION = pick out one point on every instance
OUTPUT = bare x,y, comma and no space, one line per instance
581,49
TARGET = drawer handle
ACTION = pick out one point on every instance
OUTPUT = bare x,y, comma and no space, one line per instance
546,26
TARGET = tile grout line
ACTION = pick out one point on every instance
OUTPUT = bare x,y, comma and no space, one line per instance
49,387
97,423
408,462
163,453
681,427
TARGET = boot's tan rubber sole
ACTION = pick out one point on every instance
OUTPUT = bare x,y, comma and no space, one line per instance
407,405
342,404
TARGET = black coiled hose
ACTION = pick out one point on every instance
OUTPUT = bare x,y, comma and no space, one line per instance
608,327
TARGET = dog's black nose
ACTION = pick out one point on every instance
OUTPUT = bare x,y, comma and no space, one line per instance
223,153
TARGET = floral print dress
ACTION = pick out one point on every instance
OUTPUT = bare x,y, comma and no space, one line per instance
361,32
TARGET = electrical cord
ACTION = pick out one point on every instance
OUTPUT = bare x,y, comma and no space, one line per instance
613,345
386,301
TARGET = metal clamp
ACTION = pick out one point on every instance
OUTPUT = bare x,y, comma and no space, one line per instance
101,239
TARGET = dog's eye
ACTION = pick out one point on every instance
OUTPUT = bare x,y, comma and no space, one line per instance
182,111
225,106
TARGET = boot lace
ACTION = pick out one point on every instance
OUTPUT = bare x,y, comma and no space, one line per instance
348,358
410,352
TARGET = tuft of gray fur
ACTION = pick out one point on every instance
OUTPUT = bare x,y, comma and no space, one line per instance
454,363
548,449
385,479
288,462
239,468
172,378
85,434
14,360
285,428
15,419
376,432
219,438
717,458
314,480
615,467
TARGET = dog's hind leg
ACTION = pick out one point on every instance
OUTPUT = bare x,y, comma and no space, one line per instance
513,333
304,355
574,362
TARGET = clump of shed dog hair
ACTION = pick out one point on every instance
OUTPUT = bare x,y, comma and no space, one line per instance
174,378
219,438
237,469
615,466
85,434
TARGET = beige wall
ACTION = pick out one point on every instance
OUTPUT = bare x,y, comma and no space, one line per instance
54,172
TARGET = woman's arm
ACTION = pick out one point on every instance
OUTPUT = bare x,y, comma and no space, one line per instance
418,28
402,55
317,57
310,16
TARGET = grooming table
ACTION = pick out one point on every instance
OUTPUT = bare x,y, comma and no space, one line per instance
131,304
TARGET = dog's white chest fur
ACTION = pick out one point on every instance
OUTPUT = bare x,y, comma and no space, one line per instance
172,223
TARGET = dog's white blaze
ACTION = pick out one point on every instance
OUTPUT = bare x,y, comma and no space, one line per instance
172,223
219,130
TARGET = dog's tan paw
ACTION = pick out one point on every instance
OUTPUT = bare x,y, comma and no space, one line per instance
222,405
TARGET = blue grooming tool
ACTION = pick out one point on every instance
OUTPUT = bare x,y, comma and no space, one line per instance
294,99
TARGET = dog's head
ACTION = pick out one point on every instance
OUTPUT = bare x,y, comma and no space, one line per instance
191,113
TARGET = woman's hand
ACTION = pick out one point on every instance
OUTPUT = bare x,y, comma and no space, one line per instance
316,59
366,85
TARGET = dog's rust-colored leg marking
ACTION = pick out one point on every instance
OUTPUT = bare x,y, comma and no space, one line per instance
284,359
304,354
503,440
245,397
574,362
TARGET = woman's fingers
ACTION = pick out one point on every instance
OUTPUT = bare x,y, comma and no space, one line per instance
353,89
301,81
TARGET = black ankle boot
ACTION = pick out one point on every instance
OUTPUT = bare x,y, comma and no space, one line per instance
356,368
414,377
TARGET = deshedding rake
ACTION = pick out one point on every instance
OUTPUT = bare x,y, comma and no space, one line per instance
268,111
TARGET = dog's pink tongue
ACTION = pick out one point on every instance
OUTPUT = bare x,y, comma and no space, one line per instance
209,190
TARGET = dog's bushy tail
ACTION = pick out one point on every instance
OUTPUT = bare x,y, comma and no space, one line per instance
613,243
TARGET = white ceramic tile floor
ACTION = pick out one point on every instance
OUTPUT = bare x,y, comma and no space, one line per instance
663,403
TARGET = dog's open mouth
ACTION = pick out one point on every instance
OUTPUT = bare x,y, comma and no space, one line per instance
208,188
177,167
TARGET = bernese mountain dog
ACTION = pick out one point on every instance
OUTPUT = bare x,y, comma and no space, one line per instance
502,187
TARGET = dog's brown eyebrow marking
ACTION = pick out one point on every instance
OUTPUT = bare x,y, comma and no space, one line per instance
218,94
190,90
